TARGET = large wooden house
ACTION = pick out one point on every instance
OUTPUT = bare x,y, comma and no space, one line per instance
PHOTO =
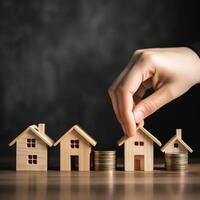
75,149
32,149
139,150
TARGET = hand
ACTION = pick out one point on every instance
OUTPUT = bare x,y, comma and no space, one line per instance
169,71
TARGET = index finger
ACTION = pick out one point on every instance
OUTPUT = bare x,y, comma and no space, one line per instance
126,102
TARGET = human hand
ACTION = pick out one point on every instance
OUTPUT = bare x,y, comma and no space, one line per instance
169,71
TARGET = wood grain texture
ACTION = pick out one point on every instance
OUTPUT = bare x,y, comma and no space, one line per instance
143,154
131,151
97,185
182,146
83,152
32,155
22,152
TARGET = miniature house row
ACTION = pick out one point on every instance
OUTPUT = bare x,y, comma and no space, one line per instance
32,147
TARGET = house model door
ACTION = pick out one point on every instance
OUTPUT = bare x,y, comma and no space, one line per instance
74,163
139,162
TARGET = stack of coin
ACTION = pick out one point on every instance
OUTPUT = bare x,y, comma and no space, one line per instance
176,161
105,160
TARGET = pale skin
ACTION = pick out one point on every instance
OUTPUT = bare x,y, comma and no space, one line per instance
169,71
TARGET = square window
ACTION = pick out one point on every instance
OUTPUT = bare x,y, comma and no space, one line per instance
175,145
31,142
74,143
32,159
141,143
136,143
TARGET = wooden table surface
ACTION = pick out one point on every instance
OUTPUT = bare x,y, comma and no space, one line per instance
95,185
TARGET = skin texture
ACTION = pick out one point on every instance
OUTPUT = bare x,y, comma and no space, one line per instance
169,71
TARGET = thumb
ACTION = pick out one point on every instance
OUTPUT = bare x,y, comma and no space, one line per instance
152,103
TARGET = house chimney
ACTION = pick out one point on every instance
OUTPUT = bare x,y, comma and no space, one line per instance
179,133
41,128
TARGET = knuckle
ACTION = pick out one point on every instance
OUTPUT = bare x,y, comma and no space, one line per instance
111,90
148,56
137,52
149,108
121,90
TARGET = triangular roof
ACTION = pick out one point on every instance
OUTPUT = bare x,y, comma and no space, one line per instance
173,139
34,129
141,130
81,132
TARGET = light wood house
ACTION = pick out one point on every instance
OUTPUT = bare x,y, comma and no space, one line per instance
32,149
139,150
75,149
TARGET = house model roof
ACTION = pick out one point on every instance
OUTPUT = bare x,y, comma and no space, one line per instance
140,130
177,137
34,129
81,132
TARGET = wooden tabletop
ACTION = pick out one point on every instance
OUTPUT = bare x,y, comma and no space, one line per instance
95,185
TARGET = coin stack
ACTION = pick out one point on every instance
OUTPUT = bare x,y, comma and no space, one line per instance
176,161
105,160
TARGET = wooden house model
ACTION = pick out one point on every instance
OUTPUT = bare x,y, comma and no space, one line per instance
176,144
32,149
75,148
139,150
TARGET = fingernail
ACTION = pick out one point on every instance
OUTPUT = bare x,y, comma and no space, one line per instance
138,116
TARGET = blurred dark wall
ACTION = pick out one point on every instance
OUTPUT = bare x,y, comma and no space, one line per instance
59,57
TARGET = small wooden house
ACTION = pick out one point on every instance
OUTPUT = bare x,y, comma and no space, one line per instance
75,147
32,149
176,144
139,150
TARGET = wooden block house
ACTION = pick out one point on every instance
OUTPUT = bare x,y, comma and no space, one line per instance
139,150
32,149
176,144
75,148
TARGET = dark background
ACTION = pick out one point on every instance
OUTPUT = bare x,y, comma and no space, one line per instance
58,57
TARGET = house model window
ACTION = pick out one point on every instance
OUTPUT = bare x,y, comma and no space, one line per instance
141,143
175,145
74,144
31,142
32,159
